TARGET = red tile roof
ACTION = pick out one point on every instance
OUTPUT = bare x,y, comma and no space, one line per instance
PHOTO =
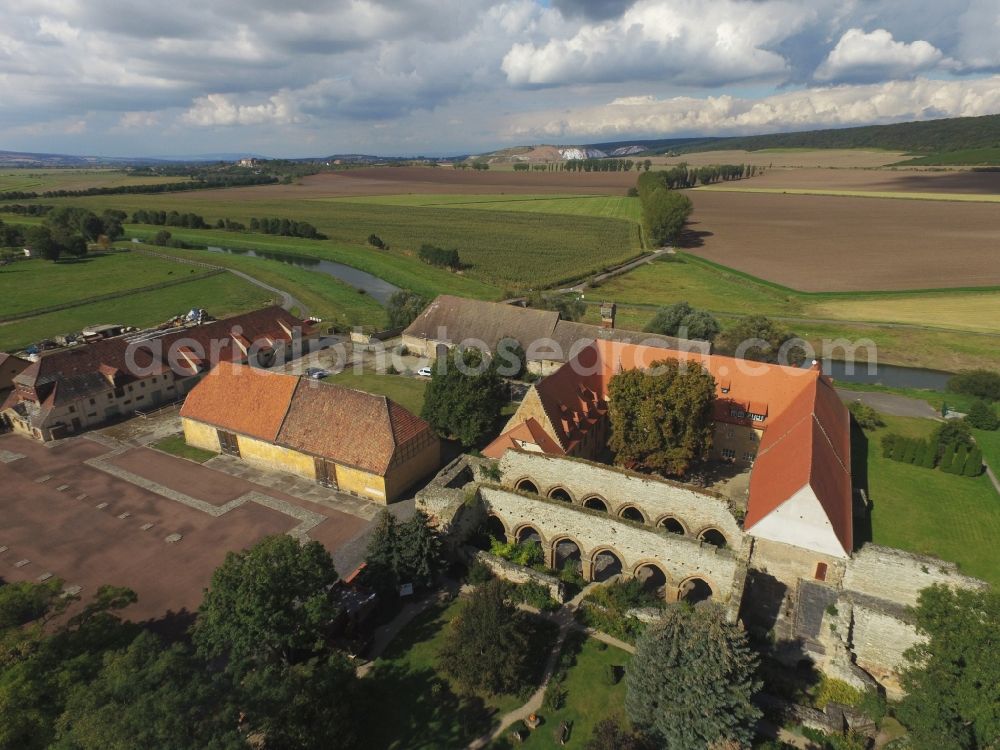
806,428
342,425
528,432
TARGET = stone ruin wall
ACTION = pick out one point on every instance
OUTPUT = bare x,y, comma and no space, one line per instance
656,498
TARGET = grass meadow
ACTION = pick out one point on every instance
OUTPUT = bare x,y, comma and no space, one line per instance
41,180
406,391
930,512
504,249
222,295
886,194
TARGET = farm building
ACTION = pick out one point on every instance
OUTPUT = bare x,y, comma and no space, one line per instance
341,438
71,390
10,368
548,341
785,424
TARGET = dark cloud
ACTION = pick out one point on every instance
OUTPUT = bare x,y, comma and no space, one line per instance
593,9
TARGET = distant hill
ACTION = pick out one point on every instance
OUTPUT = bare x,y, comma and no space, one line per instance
924,137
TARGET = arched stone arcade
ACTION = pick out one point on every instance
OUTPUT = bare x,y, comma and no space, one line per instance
713,536
632,513
526,485
560,494
672,524
595,502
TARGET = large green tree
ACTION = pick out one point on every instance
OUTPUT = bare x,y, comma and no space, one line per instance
407,552
680,319
404,307
664,213
150,696
692,680
269,604
953,679
761,339
465,396
661,419
485,646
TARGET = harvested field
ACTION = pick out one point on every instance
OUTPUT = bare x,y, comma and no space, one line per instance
41,180
428,180
821,243
880,180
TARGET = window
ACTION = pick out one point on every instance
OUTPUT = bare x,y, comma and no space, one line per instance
730,433
139,398
130,389
142,384
738,413
758,417
92,402
72,409
729,454
749,456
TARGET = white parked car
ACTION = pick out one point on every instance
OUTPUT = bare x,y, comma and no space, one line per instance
424,372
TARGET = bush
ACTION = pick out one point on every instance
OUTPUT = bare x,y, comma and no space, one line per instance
982,416
478,573
161,238
866,417
534,595
375,241
983,384
836,691
438,256
520,553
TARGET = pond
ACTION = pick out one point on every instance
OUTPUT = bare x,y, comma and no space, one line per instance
379,289
889,375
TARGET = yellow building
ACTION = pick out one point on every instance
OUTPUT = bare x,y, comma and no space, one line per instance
341,438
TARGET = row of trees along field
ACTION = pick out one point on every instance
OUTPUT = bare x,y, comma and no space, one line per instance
282,227
66,231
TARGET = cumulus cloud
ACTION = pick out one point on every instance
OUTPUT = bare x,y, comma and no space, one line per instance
598,9
683,41
876,56
799,110
216,110
133,120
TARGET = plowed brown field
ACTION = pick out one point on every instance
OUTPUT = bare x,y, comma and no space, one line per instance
826,243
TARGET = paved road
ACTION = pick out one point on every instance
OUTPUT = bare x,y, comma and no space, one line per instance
891,403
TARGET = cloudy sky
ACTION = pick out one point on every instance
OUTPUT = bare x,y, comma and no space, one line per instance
314,77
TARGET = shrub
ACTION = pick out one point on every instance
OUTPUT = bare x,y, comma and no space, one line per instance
534,595
983,384
952,432
478,573
982,416
866,417
375,241
438,256
837,691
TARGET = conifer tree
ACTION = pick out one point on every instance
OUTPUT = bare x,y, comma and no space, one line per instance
961,456
948,458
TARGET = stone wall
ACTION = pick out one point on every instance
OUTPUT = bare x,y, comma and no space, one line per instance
680,559
657,499
897,576
879,637
518,574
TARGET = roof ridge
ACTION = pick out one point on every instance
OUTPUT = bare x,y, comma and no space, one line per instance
288,408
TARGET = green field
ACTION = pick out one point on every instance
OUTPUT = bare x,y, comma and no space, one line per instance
606,206
930,512
33,284
963,157
324,296
503,249
175,445
41,180
989,442
222,295
935,315
406,391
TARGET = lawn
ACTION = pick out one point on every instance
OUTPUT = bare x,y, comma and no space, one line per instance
516,249
175,445
930,512
33,284
414,706
324,296
403,389
989,442
222,295
589,696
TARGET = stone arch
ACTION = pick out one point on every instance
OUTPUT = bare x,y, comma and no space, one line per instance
526,532
497,528
526,484
596,502
653,576
711,535
606,562
695,589
672,524
566,549
632,513
560,493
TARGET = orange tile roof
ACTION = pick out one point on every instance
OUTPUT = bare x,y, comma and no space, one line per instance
242,399
528,432
806,428
342,425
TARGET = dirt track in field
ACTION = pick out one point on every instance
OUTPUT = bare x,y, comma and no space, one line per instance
826,243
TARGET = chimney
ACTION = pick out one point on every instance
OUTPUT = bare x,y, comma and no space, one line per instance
608,311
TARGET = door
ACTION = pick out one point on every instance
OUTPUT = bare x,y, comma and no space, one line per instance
76,424
326,473
228,443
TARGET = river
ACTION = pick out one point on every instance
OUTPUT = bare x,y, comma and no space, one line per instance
379,289
889,375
